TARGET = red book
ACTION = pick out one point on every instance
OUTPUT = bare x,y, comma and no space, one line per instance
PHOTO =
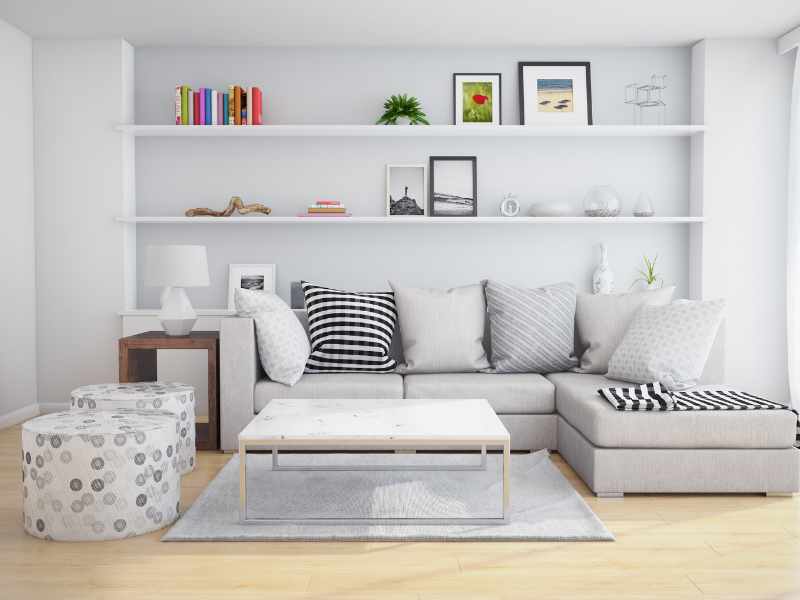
196,102
328,202
237,115
257,107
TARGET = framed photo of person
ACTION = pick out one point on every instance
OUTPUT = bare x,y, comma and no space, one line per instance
555,93
406,187
260,278
476,99
453,186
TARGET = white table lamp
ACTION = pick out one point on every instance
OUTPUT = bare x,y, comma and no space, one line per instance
176,268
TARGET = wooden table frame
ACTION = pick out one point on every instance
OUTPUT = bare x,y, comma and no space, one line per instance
246,444
138,362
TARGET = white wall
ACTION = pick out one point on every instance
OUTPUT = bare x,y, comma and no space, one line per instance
305,85
82,88
743,94
17,247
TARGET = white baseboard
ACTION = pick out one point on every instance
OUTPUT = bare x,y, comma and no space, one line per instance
18,416
51,407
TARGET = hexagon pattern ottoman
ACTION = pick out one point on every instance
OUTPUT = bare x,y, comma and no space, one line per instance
99,475
177,398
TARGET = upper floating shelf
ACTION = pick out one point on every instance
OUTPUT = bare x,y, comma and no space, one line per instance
410,131
411,220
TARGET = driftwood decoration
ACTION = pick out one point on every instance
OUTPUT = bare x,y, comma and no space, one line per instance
234,205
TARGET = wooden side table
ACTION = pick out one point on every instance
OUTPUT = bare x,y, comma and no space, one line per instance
138,362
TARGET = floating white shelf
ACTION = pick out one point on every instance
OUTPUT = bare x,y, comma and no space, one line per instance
410,131
341,221
153,312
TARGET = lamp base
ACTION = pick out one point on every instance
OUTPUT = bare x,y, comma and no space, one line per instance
178,327
177,315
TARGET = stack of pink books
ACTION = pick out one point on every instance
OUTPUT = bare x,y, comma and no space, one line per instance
326,208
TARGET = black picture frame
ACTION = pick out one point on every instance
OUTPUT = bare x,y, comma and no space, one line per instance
432,184
499,94
587,66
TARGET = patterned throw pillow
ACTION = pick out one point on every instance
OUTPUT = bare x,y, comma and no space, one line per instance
532,330
349,331
282,342
669,344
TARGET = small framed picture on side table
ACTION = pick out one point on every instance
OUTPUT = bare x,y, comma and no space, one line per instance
260,278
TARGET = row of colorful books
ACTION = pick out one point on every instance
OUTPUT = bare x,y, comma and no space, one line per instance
204,106
326,208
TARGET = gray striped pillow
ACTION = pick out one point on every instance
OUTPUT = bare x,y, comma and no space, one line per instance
532,330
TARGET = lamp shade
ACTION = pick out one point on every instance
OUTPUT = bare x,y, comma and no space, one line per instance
176,266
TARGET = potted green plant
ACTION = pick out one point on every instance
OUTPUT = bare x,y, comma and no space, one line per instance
401,106
649,276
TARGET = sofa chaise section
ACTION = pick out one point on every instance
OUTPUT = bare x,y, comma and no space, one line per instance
617,452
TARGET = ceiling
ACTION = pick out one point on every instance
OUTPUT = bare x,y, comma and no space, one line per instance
403,22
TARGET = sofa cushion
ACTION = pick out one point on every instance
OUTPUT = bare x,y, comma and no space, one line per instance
578,402
602,319
533,329
507,393
330,385
442,330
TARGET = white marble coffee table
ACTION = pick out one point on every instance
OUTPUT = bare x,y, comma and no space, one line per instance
374,425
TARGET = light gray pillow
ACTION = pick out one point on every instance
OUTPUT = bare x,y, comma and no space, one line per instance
668,344
442,329
283,345
602,319
532,330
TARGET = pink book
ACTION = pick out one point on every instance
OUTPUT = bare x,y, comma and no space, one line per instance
202,106
328,202
219,110
325,215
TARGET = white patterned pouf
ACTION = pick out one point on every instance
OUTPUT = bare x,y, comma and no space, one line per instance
99,474
177,398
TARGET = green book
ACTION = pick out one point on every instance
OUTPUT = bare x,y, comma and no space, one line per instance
185,91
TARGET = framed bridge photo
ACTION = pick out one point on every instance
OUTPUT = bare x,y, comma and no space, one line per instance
453,186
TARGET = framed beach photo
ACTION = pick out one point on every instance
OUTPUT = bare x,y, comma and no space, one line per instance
453,186
259,278
476,99
405,190
555,93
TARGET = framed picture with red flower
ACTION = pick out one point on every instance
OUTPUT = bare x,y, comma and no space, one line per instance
476,99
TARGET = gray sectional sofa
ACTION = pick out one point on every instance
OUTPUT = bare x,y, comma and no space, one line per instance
613,452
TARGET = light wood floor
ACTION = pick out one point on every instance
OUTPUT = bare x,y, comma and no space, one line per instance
744,547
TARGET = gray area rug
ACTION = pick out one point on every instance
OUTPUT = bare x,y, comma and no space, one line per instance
544,506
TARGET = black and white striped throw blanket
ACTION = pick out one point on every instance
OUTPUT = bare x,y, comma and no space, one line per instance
655,397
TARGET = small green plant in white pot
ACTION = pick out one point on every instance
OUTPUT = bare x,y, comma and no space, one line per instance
403,108
651,279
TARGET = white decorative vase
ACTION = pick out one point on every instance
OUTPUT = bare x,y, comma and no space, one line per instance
653,286
603,279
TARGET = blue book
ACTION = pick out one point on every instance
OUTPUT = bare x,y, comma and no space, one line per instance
225,109
208,105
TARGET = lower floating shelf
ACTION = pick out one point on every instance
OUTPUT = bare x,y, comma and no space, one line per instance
340,221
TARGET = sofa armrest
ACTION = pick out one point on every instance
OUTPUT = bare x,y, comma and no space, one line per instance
239,370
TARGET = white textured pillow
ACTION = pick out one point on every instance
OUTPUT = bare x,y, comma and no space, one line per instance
601,321
668,344
282,342
442,329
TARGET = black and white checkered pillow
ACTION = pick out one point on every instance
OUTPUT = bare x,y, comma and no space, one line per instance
349,331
